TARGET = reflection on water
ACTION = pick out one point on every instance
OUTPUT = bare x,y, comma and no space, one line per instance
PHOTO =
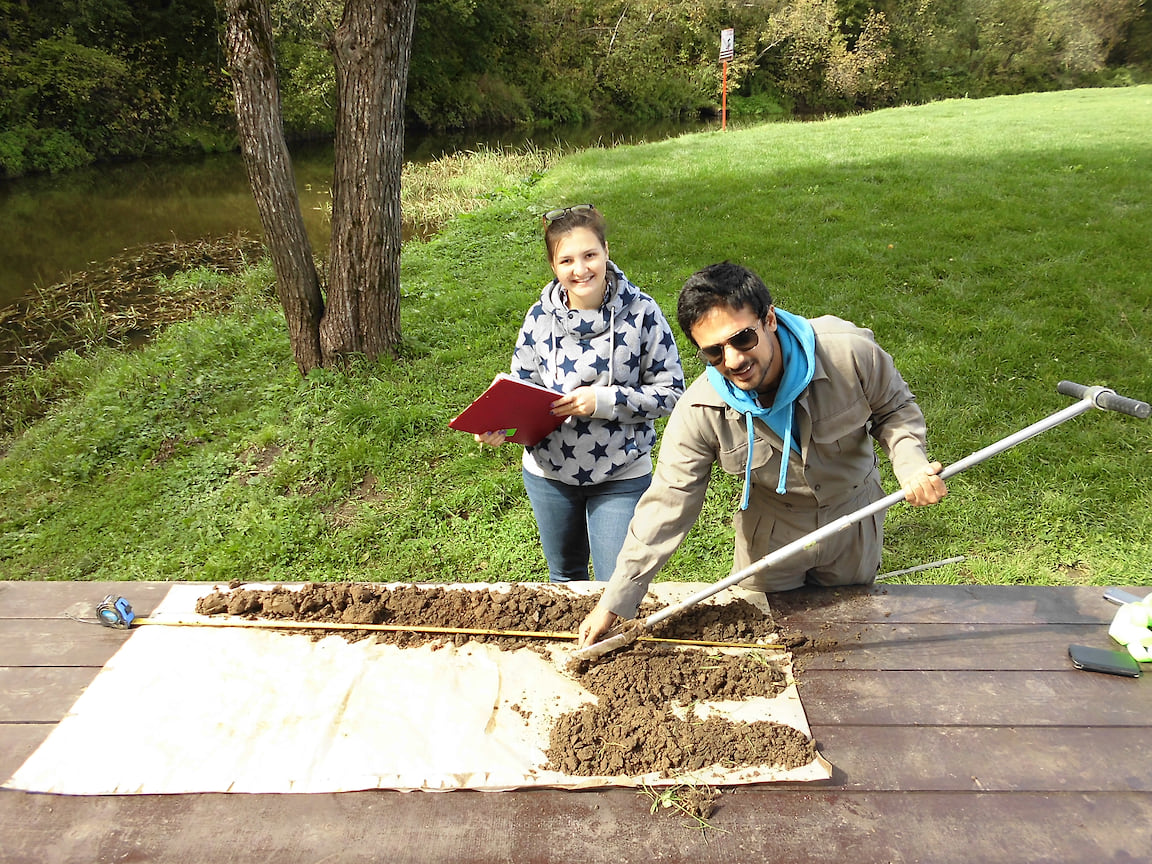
58,225
53,226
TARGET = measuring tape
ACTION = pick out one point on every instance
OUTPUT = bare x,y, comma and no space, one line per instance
115,611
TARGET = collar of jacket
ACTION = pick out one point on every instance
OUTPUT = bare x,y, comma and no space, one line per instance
705,395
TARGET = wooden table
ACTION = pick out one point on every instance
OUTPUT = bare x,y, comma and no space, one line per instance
958,729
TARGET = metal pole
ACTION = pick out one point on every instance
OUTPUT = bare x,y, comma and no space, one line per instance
930,566
837,525
1089,397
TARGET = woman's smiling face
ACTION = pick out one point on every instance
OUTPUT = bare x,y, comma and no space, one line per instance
580,262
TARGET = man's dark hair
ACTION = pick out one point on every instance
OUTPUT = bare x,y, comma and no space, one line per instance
724,284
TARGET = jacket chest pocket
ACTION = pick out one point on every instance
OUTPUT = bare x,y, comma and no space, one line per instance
844,430
734,458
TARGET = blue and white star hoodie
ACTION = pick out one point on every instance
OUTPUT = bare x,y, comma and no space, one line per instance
626,351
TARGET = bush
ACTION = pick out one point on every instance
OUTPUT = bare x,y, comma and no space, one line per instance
561,102
24,150
13,151
501,103
761,106
636,97
56,150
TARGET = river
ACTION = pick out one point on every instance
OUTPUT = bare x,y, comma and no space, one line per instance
52,226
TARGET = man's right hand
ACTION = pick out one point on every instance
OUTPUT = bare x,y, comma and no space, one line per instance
598,622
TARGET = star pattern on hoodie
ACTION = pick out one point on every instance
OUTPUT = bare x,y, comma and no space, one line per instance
625,348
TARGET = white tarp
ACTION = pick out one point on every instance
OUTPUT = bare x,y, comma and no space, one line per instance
189,709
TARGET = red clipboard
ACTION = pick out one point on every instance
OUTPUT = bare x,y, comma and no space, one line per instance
520,407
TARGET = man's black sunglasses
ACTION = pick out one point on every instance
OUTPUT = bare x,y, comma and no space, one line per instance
745,340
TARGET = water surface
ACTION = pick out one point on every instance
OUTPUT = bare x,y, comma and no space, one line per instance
52,226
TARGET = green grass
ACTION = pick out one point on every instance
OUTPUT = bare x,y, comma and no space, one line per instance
995,246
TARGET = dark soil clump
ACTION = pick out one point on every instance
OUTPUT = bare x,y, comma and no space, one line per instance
519,609
697,802
633,729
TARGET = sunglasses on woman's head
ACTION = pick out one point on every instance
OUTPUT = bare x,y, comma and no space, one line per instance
745,340
556,215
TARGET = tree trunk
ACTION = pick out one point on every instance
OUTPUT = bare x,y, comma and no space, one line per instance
371,48
252,63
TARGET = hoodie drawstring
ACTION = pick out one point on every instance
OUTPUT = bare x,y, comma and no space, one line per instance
748,463
797,347
782,485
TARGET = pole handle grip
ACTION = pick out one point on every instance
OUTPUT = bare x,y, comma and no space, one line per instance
1105,399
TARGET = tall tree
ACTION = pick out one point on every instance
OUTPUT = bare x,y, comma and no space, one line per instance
371,48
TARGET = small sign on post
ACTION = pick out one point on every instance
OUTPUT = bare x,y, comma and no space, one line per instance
727,44
727,52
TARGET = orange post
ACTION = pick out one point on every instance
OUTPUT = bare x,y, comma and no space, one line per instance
724,100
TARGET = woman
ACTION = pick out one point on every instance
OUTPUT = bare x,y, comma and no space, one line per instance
605,345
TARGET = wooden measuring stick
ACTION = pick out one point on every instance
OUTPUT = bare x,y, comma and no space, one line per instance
265,624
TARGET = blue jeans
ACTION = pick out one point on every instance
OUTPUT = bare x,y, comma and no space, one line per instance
577,520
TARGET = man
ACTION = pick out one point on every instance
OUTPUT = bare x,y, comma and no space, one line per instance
819,391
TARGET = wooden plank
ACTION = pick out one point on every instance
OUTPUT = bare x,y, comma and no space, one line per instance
948,604
973,698
914,759
906,646
40,694
608,826
63,642
59,599
57,642
18,741
987,758
956,730
972,604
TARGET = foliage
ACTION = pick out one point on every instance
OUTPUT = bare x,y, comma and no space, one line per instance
976,238
116,78
1011,46
473,63
817,67
123,79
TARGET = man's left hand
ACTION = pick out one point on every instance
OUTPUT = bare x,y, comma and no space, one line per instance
926,487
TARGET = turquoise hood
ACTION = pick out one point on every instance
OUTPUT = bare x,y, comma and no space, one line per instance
798,353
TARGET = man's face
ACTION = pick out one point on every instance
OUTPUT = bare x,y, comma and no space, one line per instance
756,368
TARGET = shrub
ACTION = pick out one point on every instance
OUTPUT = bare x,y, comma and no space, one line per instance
56,150
561,102
13,151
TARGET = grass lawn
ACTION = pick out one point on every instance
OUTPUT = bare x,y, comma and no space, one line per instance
995,247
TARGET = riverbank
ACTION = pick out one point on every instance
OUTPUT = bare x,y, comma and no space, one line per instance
67,223
981,240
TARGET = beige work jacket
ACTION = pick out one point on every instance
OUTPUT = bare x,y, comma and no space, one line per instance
856,397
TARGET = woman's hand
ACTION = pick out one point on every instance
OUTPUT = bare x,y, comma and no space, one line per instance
581,402
492,439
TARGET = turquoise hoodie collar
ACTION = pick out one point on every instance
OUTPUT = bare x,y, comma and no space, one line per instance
798,354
